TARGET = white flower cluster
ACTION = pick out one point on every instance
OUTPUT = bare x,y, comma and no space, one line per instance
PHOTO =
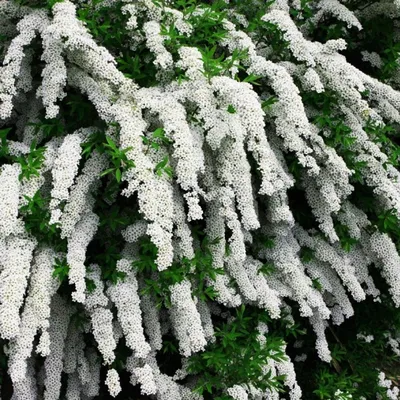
64,170
36,313
339,395
229,157
28,27
145,377
112,382
338,10
385,255
15,270
60,315
286,368
76,255
154,42
392,393
101,316
80,198
186,320
126,299
393,343
237,392
373,58
9,198
365,338
151,322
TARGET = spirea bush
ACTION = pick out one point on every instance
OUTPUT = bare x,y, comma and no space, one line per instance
199,199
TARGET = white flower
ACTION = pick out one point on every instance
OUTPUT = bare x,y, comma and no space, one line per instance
124,294
77,244
186,320
9,198
112,382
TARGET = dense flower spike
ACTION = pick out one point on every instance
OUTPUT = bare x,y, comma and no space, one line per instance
179,175
10,188
36,313
125,297
77,244
186,320
112,381
15,270
101,316
60,315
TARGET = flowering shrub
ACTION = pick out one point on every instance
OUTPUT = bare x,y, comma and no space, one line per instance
199,199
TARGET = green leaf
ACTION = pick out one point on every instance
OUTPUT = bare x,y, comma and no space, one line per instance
90,285
107,171
269,242
162,163
267,269
252,79
118,175
306,254
317,284
111,144
61,269
159,133
231,109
